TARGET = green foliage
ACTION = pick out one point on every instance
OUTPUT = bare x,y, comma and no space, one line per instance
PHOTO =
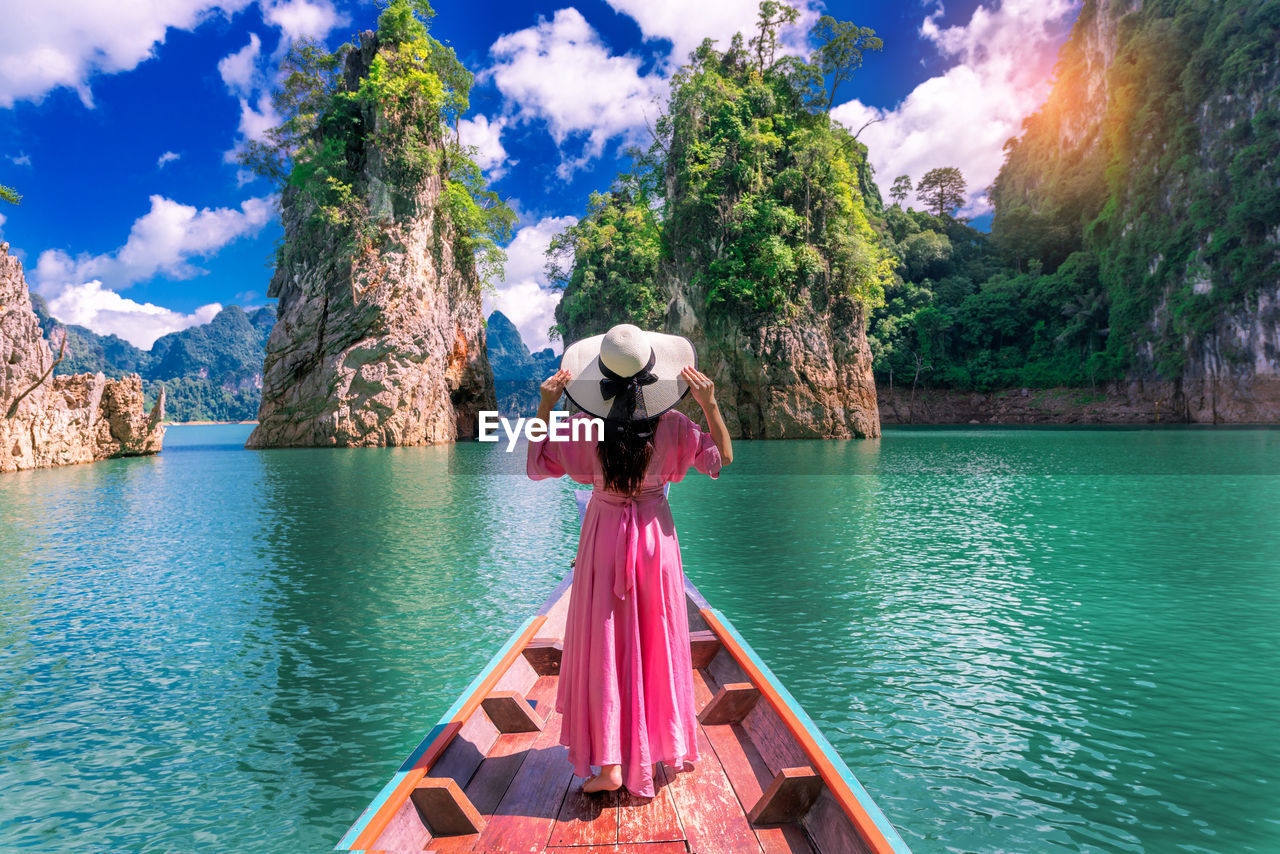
750,191
958,318
10,195
901,189
772,186
413,91
607,265
840,47
1178,199
201,399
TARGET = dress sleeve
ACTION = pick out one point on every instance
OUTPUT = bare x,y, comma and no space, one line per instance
575,458
546,459
694,449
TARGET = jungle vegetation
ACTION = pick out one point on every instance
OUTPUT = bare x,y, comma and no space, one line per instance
406,108
767,209
1170,215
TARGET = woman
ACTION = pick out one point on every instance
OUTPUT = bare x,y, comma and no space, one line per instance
626,679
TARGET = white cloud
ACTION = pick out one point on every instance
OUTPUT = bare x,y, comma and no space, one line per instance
22,159
560,72
303,18
247,76
526,295
107,313
2,219
161,241
166,157
239,70
255,122
964,116
486,136
686,24
53,43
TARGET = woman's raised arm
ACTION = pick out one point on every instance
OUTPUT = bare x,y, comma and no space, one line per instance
704,391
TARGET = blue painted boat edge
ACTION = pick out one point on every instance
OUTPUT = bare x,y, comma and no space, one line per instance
349,838
864,797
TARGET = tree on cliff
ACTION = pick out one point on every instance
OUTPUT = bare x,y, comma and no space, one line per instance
942,189
752,180
839,54
415,91
608,262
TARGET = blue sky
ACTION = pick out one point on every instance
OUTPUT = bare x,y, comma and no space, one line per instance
120,123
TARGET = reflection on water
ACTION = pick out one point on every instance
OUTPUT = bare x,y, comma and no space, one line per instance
217,648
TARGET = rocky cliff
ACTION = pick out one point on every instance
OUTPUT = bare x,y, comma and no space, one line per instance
1156,152
379,338
49,420
802,377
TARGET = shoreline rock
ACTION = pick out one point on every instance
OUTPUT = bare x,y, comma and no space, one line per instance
48,420
1160,402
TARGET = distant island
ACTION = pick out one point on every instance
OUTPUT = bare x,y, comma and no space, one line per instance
210,372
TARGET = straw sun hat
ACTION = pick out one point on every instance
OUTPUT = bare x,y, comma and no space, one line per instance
627,374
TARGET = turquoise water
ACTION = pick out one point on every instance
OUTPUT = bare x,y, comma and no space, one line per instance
1019,640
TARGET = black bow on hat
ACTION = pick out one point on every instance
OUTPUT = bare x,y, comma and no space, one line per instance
625,391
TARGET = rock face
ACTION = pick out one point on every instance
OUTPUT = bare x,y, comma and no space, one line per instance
387,349
51,421
807,377
1161,131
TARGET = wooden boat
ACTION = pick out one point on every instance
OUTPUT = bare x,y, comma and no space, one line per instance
491,776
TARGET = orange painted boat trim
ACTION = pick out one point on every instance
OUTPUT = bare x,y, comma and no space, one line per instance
822,763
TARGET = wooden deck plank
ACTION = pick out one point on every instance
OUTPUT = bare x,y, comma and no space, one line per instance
495,773
649,819
586,818
634,848
713,819
526,816
748,773
749,777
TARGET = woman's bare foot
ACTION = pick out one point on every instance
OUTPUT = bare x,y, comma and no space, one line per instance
608,780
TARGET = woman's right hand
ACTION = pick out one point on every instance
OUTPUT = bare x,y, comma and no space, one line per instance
553,386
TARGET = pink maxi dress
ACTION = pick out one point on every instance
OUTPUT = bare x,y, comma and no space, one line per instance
625,694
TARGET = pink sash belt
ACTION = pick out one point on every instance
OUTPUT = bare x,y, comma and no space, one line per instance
624,569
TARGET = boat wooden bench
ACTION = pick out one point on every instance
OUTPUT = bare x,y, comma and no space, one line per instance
491,776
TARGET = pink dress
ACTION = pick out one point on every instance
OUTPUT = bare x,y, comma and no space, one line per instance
626,677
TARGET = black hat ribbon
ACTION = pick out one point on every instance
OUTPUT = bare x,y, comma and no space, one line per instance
625,390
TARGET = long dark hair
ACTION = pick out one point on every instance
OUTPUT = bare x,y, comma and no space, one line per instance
625,453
